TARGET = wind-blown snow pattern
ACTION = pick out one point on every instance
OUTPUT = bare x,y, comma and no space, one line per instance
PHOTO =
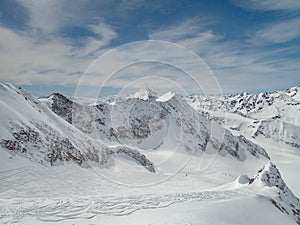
67,163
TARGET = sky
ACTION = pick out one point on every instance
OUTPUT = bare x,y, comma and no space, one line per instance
91,48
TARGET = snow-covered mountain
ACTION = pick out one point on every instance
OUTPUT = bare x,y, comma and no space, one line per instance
108,163
30,129
142,121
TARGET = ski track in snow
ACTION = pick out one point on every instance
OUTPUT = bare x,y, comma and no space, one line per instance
21,196
56,210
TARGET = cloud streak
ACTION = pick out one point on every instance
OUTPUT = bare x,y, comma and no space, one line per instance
281,32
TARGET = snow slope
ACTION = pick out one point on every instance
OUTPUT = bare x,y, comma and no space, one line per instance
96,201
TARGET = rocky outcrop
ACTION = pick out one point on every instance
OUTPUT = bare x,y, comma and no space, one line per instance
284,200
62,106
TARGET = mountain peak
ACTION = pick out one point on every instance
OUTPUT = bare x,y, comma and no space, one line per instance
144,94
56,95
294,92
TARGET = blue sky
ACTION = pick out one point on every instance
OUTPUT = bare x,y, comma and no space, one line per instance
47,46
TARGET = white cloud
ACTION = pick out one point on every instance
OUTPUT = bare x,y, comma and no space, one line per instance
93,45
22,59
38,55
26,58
279,32
46,16
175,32
192,34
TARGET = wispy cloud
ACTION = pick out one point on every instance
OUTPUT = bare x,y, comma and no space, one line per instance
105,34
240,64
61,38
184,29
157,64
279,32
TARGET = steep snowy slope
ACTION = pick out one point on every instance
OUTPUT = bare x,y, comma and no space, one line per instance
30,129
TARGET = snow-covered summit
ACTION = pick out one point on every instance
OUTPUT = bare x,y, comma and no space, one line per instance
144,94
269,176
247,104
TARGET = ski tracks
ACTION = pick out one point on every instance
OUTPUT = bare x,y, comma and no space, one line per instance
58,209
